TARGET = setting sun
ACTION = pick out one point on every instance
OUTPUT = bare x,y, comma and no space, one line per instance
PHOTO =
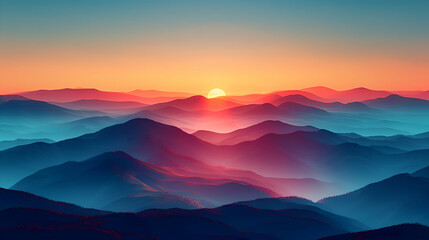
216,92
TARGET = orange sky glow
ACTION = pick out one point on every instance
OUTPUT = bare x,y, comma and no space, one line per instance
242,48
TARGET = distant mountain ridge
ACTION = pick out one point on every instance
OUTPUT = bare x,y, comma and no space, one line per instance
75,94
351,95
13,143
5,98
250,133
396,102
196,103
32,111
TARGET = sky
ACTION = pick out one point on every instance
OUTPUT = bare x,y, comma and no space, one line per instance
194,46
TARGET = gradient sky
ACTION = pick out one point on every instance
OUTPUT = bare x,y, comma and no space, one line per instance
238,46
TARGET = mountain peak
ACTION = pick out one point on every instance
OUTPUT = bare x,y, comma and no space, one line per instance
197,97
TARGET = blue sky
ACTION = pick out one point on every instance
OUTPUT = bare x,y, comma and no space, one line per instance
358,29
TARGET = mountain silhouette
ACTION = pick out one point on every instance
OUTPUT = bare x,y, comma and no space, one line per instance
5,98
296,155
398,232
17,142
141,138
250,133
226,222
424,172
302,204
15,199
32,112
70,95
396,102
398,199
300,92
283,224
113,177
196,103
319,154
351,95
103,105
157,94
146,140
354,107
280,203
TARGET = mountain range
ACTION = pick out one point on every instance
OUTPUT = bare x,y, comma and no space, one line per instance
398,199
314,154
113,177
315,163
227,222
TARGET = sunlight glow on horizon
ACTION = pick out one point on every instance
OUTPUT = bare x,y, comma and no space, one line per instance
216,92
188,45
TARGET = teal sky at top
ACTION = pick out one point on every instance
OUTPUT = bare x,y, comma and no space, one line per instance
367,23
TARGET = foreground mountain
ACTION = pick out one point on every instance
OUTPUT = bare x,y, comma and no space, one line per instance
399,232
302,204
283,224
227,222
15,199
41,224
396,200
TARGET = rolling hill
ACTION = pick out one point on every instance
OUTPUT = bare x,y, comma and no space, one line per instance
399,103
299,154
111,177
37,112
17,199
227,222
396,200
398,232
250,133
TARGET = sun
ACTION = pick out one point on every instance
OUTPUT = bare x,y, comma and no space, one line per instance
216,92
